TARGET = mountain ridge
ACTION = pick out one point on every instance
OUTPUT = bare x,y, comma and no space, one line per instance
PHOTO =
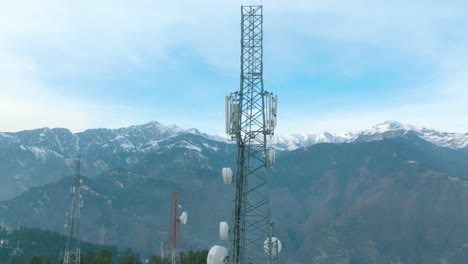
282,142
361,202
35,157
387,129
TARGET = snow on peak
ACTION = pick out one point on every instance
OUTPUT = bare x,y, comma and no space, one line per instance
192,131
185,144
175,128
376,132
442,139
147,137
154,125
150,124
294,141
390,126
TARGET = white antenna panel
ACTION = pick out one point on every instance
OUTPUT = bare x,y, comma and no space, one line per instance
228,121
235,115
183,218
273,124
232,114
271,157
227,176
275,246
275,106
223,231
271,109
217,255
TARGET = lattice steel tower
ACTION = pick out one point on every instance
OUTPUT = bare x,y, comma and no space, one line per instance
72,250
250,121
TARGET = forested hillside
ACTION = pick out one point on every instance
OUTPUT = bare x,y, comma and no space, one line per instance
35,246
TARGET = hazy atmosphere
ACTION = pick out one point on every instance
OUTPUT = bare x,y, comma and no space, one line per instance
230,132
336,65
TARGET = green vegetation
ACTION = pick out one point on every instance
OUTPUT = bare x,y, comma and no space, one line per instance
105,257
194,257
32,245
36,246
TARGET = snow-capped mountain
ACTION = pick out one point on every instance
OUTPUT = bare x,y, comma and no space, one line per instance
395,129
35,157
385,130
295,141
442,139
365,202
63,143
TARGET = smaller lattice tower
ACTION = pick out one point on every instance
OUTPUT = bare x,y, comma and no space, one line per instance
72,249
177,218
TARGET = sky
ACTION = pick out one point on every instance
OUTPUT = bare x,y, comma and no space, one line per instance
335,65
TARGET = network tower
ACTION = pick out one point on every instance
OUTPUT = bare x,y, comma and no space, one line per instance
72,250
176,220
250,121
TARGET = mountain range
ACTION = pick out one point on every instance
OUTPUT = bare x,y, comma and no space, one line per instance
392,193
388,129
25,154
36,157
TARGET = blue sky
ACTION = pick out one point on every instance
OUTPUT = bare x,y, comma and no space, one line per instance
336,65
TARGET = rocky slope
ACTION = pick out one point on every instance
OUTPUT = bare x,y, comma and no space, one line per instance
402,200
37,157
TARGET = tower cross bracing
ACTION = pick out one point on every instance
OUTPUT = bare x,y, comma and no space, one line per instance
251,119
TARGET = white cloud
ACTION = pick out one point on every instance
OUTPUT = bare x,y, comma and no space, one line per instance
443,106
52,39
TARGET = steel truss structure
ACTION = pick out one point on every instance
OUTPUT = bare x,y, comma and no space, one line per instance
174,259
72,250
250,121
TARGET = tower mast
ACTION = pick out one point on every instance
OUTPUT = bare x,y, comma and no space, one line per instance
72,249
250,121
251,113
177,218
174,226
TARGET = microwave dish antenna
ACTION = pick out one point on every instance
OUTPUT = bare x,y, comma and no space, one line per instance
217,255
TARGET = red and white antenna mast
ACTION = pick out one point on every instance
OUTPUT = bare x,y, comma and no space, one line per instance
176,220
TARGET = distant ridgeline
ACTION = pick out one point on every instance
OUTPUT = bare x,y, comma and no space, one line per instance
36,246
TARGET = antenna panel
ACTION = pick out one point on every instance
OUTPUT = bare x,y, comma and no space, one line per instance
271,110
223,231
183,218
228,121
271,157
232,109
234,117
227,176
